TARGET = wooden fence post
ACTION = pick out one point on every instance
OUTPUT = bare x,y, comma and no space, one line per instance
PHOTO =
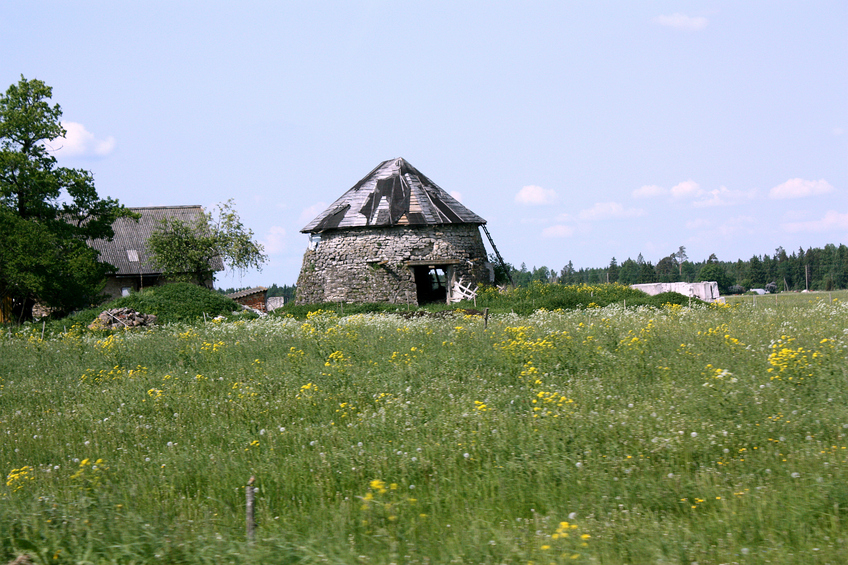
251,523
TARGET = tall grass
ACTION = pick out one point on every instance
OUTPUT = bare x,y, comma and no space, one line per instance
605,434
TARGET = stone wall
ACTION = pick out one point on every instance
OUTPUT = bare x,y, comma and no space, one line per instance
371,264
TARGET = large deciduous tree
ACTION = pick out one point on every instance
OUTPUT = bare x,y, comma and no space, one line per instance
667,269
189,251
47,212
713,270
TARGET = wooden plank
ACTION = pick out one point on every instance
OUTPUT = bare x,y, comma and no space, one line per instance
433,263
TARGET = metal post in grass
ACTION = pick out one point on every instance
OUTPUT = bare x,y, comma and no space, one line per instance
249,517
485,317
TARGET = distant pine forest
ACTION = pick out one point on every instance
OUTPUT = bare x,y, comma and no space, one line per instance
814,269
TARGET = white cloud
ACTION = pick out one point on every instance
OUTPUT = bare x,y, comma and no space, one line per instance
688,188
535,196
311,213
682,21
738,225
275,240
79,142
723,197
649,191
832,221
799,188
558,231
606,210
697,224
533,221
457,195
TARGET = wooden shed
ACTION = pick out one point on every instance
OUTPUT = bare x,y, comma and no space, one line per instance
255,298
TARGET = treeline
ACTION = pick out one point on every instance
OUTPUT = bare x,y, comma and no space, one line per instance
814,269
286,291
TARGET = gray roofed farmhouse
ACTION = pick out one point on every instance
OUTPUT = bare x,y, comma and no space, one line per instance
396,237
128,250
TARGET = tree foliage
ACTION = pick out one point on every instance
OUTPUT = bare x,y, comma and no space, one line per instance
47,212
192,251
715,272
820,268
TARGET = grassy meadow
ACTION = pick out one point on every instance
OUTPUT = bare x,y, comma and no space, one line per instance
600,434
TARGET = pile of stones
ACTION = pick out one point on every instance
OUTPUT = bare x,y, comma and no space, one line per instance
118,318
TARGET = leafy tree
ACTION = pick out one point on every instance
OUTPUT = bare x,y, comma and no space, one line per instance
521,277
757,272
629,272
680,257
286,291
189,251
714,271
612,271
566,275
503,272
689,271
543,274
47,213
647,274
667,269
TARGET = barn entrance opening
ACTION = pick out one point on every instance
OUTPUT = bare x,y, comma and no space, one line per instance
432,283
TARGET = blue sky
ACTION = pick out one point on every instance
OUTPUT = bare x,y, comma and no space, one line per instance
580,131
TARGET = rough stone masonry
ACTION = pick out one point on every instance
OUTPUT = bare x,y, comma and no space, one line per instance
372,264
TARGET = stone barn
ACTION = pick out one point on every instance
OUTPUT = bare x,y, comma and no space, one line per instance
394,237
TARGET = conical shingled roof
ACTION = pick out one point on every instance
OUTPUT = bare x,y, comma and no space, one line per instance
393,194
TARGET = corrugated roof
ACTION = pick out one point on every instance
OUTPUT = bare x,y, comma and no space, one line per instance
247,292
128,249
393,194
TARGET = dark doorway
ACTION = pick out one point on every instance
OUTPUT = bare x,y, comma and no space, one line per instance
431,283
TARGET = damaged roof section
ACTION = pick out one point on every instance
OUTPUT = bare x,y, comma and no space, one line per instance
393,194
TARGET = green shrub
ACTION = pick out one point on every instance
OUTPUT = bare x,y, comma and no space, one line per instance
301,310
176,302
525,300
521,300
